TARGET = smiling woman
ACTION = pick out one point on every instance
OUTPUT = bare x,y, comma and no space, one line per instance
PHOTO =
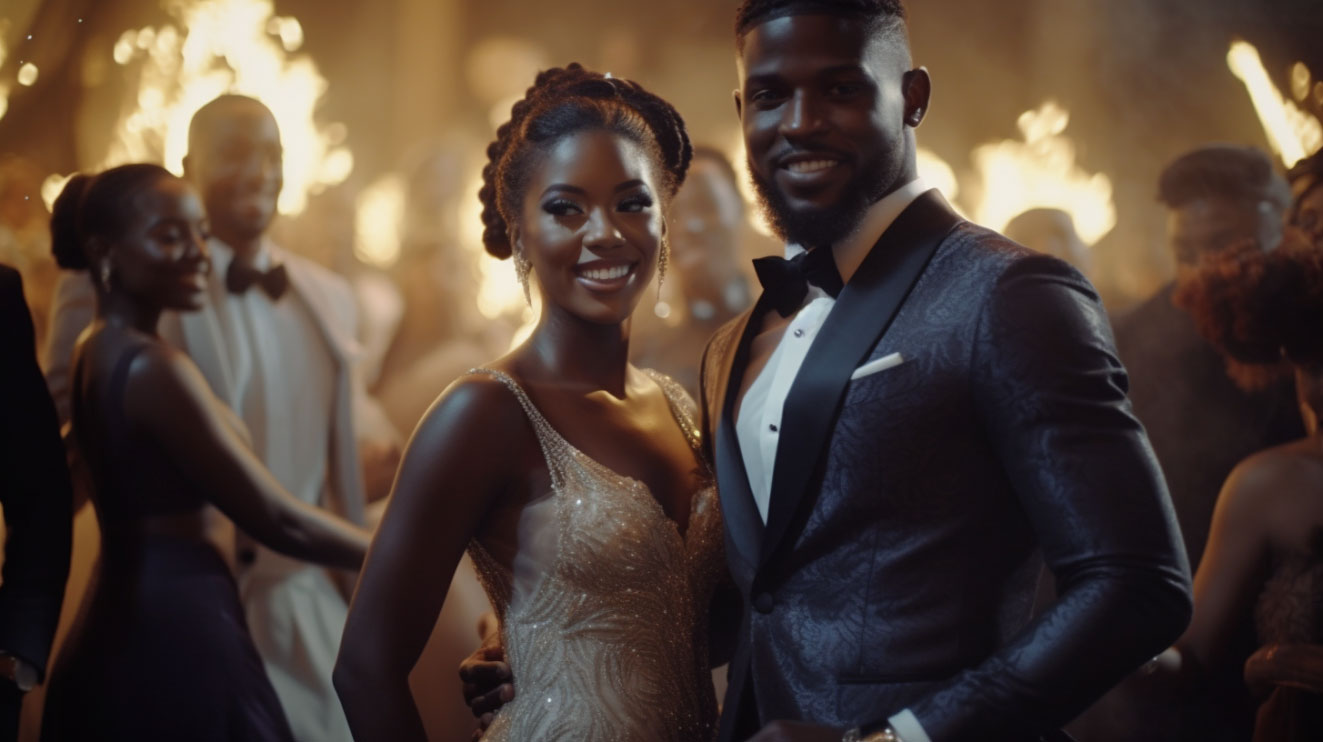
573,479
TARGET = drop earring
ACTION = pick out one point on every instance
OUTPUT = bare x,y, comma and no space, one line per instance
105,273
522,269
663,258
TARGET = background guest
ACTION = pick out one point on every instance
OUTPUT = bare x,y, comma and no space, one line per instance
162,623
37,499
1264,559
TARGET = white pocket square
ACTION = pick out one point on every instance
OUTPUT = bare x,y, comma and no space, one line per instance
881,364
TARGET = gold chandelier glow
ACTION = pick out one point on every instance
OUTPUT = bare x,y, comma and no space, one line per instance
226,46
1293,134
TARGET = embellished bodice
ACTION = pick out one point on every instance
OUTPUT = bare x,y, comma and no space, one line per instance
1290,608
611,642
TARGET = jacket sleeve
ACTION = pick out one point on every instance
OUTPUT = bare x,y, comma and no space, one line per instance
1051,395
34,488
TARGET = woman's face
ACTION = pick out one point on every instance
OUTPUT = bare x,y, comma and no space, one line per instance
162,259
591,224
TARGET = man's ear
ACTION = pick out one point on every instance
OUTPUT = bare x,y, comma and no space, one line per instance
917,87
739,104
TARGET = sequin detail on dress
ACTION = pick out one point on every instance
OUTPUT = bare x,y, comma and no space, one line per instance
612,642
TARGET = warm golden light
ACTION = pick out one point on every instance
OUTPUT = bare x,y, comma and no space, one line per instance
379,221
1039,171
4,87
51,187
937,173
499,292
1300,79
27,74
1292,133
227,46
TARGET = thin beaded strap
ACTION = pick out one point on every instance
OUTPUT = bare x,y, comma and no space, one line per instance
683,408
551,442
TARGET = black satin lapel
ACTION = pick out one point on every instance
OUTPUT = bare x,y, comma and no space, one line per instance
861,315
737,506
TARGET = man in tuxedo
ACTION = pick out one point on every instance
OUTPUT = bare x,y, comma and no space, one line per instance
37,498
276,343
912,413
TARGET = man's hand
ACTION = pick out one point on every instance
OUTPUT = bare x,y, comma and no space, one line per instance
794,731
486,675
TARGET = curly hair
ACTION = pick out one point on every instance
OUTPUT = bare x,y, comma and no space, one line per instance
1261,310
564,101
880,14
97,206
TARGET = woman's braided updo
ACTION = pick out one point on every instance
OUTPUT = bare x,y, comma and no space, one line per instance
564,101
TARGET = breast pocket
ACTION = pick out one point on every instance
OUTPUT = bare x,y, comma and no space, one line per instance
888,384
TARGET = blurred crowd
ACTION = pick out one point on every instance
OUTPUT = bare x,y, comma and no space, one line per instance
1225,366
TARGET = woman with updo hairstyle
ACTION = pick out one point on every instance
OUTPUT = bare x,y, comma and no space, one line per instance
572,478
1264,559
160,649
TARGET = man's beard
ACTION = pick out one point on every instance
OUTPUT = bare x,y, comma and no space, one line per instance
819,227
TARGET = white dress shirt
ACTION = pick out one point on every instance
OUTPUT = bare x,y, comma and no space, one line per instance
776,355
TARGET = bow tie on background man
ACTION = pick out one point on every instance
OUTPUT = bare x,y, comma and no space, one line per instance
239,278
786,282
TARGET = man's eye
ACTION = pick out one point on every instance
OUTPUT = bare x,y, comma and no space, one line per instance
846,88
764,96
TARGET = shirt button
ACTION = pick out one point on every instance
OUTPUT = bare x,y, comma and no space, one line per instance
772,427
799,333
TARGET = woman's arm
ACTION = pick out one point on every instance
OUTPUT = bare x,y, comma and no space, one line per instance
1234,564
168,398
464,455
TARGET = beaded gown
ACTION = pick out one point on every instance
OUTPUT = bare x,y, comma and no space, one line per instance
611,641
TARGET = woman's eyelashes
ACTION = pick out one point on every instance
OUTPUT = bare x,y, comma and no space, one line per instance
630,204
635,203
561,207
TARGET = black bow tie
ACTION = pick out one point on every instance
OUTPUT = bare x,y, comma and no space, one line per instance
786,282
239,278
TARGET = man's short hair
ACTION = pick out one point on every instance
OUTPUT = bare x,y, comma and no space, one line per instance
215,109
1223,171
879,14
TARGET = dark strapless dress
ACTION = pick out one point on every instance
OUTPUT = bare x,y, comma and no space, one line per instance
160,649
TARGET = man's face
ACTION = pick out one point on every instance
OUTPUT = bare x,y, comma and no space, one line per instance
236,166
706,216
823,105
1209,225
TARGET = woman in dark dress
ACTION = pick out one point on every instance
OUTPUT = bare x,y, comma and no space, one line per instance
1264,559
160,650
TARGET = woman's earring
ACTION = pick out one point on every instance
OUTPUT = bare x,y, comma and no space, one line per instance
522,269
663,258
105,273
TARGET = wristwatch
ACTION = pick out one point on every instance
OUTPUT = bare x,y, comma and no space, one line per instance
884,735
20,673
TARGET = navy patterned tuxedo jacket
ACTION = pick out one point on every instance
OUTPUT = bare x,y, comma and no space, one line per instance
912,509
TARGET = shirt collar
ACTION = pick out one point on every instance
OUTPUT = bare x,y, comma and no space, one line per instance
851,251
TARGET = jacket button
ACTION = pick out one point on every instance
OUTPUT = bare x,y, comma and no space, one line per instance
763,603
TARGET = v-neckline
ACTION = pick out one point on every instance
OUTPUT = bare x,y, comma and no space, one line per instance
634,483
